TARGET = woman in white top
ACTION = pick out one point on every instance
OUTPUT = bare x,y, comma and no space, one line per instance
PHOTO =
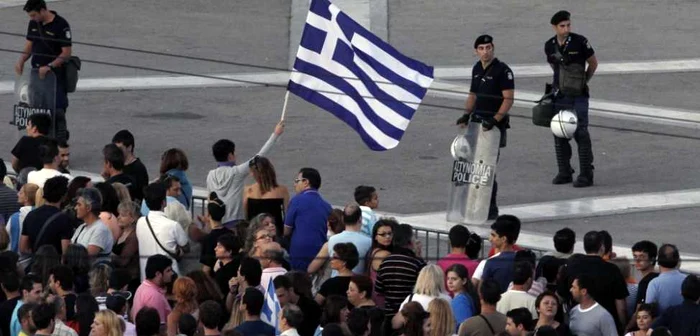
429,285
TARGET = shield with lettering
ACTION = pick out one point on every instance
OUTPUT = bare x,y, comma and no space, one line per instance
34,95
475,156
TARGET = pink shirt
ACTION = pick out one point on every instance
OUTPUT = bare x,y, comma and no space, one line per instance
270,273
150,295
454,258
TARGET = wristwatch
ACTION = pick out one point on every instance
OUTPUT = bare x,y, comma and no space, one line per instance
51,66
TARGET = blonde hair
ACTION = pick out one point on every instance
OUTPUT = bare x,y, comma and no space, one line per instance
30,190
99,279
39,197
251,236
430,282
130,207
122,192
113,325
442,320
185,292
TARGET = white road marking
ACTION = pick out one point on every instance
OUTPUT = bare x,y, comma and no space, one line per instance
612,68
171,82
579,208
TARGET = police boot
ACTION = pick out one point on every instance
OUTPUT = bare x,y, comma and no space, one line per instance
585,154
562,148
585,179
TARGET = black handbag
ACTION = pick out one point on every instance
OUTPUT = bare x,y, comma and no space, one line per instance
72,66
543,111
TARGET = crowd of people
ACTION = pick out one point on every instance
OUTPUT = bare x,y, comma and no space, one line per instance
124,256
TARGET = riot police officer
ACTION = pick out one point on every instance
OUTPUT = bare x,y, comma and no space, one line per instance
568,53
49,46
490,98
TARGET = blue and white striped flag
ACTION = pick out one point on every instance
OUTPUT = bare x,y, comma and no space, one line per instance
343,68
271,308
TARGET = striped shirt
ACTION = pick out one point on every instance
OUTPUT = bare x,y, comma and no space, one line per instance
396,278
369,218
8,202
63,330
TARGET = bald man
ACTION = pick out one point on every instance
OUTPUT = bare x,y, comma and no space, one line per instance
272,262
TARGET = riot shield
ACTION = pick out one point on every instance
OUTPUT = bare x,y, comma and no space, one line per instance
475,156
34,95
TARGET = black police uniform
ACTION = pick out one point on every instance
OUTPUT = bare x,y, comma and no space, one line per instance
575,50
488,86
47,41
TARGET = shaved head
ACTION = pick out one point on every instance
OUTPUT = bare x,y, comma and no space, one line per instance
352,214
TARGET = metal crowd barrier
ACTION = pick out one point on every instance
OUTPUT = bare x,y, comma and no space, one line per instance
434,241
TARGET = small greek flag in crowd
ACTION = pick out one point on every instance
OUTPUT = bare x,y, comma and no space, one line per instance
343,68
271,308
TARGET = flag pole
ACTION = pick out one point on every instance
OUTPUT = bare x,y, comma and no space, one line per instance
284,107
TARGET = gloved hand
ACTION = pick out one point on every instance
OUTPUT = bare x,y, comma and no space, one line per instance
463,120
488,123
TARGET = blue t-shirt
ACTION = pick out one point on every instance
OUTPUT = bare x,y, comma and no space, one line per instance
665,290
462,308
255,328
307,217
362,243
500,269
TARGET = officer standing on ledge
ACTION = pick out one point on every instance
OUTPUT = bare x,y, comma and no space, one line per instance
567,53
49,45
490,98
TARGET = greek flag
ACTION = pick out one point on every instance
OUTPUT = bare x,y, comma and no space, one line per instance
271,308
346,70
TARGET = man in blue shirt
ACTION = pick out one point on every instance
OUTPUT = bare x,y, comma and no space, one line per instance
352,217
31,289
306,219
504,232
665,290
252,304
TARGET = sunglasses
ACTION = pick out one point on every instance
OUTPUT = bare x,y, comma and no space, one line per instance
265,236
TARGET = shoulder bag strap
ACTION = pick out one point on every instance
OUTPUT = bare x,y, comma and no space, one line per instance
79,233
483,78
493,332
172,255
43,228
